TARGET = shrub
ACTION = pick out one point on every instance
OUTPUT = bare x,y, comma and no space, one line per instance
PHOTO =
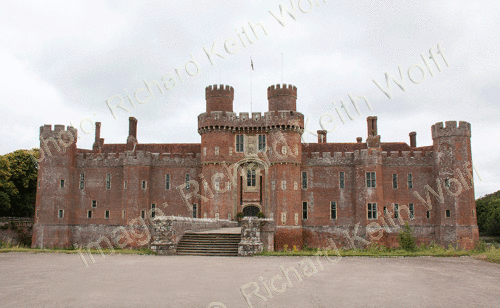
406,239
261,215
285,247
240,215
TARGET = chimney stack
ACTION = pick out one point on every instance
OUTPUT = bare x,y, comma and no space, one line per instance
413,139
359,139
372,126
321,136
98,142
132,127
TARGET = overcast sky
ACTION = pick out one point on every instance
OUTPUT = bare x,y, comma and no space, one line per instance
61,60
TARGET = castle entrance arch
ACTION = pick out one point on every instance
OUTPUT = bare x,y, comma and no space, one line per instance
250,210
251,178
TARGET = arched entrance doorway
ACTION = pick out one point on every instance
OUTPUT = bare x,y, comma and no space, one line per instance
251,210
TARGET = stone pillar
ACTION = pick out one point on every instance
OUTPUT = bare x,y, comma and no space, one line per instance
250,237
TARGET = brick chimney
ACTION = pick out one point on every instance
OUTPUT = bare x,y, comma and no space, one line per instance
373,139
359,140
132,133
321,136
98,142
413,139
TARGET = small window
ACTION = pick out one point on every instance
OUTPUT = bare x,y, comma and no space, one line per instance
82,181
304,180
124,213
60,214
372,210
39,183
271,215
448,214
62,183
251,178
37,212
228,216
283,185
304,210
143,214
396,210
395,180
195,210
473,213
89,214
153,210
125,184
447,183
187,181
216,215
144,184
412,210
428,214
108,181
333,210
167,181
371,179
385,210
239,143
410,180
262,143
106,214
342,179
94,203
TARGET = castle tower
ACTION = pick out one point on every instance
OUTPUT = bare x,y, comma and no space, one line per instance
217,147
285,159
456,215
57,181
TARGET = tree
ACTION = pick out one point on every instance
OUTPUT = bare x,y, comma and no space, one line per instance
18,178
488,214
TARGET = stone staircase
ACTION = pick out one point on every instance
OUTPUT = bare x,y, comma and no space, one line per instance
209,244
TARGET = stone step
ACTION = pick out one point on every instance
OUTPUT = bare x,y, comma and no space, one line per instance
209,244
208,254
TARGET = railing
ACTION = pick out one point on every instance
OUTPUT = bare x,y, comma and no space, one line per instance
21,221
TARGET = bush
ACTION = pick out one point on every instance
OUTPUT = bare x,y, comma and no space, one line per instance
240,215
261,215
406,239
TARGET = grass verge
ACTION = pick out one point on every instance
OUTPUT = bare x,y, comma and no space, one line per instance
140,251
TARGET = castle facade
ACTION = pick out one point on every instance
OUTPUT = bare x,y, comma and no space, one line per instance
316,193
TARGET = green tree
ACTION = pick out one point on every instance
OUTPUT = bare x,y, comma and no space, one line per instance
18,177
488,214
406,239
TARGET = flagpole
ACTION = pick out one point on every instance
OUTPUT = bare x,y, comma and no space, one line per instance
281,67
251,86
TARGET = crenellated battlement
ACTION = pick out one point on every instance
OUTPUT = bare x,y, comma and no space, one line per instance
140,158
328,158
281,90
219,90
59,131
450,129
408,158
233,121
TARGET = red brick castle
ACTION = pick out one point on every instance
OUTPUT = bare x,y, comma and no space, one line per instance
257,163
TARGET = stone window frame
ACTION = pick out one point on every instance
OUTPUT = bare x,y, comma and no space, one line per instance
239,143
62,183
108,181
305,207
93,203
371,179
333,210
195,210
447,213
262,144
125,184
395,181
82,181
37,212
39,183
144,184
396,210
411,208
303,180
428,214
167,181
187,178
371,210
153,210
143,214
410,181
251,178
229,216
106,214
342,179
124,214
89,214
60,213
